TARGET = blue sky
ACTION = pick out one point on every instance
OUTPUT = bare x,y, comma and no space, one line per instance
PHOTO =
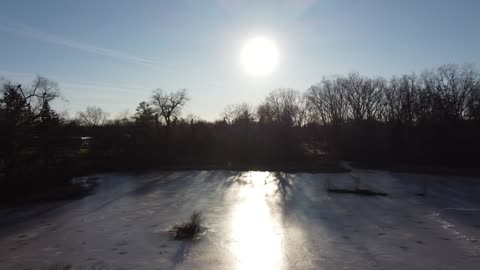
113,53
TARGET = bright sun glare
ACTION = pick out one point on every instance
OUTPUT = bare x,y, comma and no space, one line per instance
257,234
259,56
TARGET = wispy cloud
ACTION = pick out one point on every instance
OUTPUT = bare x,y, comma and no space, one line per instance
76,96
27,31
25,78
16,76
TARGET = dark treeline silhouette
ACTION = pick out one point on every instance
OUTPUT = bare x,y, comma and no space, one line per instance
430,119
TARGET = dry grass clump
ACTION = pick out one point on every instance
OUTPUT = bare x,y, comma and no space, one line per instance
66,266
59,266
357,191
189,229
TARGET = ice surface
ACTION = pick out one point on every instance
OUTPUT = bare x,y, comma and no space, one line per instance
253,220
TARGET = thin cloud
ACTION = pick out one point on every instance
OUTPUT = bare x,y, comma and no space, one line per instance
6,75
72,87
24,30
95,86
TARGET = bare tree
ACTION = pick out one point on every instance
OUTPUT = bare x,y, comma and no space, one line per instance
122,118
471,80
474,102
228,114
169,104
363,95
402,99
283,106
449,91
21,109
327,101
92,116
235,113
23,105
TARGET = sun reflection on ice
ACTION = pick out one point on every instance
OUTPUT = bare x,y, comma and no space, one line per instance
256,230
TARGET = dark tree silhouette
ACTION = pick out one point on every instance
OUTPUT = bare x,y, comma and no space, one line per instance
430,119
25,112
145,115
235,113
168,105
285,107
92,116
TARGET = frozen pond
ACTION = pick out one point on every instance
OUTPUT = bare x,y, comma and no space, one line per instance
253,220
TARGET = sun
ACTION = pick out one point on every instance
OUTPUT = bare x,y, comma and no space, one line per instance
259,56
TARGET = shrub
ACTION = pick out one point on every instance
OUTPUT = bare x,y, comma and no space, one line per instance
189,229
59,266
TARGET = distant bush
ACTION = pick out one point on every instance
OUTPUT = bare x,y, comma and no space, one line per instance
59,266
355,190
65,266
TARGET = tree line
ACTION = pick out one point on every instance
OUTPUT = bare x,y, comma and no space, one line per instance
431,119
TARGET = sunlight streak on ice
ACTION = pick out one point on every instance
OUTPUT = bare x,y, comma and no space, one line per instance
257,236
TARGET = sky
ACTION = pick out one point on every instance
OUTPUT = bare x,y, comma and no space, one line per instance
114,53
